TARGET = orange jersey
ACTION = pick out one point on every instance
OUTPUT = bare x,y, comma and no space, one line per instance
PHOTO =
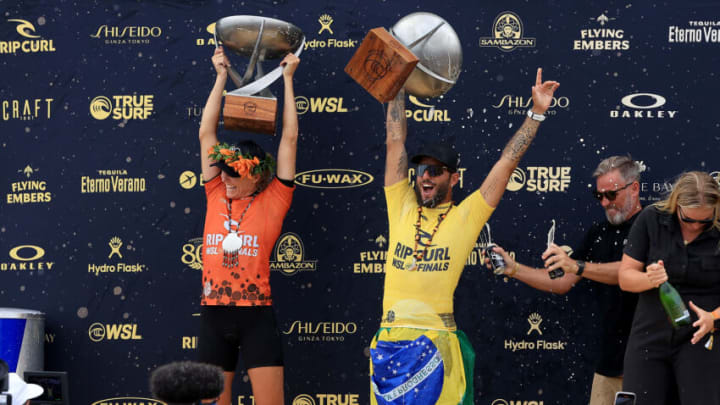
248,283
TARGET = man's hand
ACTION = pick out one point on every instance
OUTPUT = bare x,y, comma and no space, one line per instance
290,63
509,262
656,273
220,61
542,93
705,323
556,258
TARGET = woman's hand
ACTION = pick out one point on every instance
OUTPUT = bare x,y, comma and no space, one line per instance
705,323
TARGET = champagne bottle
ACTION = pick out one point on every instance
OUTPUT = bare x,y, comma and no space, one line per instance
674,306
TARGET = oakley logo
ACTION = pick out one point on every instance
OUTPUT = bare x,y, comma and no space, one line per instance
629,101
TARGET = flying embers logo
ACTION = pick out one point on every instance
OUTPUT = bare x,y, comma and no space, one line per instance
333,178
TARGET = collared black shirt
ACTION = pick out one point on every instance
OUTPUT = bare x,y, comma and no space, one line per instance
693,269
604,243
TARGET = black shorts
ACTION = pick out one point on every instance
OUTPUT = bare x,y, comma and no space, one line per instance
227,331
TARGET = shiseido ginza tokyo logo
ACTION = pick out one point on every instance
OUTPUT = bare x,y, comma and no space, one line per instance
642,106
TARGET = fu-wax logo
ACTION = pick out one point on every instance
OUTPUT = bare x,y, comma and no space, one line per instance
26,109
643,106
326,21
32,43
542,179
507,34
113,331
122,107
333,178
26,257
289,256
319,105
427,112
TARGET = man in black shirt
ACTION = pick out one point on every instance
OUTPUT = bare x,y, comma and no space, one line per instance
598,259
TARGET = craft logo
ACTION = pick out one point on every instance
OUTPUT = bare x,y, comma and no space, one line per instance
210,29
642,106
319,105
333,178
534,320
326,21
696,32
188,179
128,35
327,399
428,113
113,331
115,243
192,253
28,191
507,34
33,43
543,179
601,39
460,171
112,181
518,105
26,257
289,256
321,331
372,261
129,401
500,401
123,107
26,109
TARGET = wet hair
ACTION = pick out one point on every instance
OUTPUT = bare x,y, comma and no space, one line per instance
628,168
250,147
693,190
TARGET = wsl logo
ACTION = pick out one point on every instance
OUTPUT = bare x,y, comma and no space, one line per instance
114,331
500,401
643,106
319,105
507,34
289,256
124,107
333,178
428,113
540,178
33,43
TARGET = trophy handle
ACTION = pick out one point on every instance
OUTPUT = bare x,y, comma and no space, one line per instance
265,81
427,35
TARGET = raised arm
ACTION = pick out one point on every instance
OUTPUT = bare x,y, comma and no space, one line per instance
494,185
632,277
396,163
287,150
211,114
536,278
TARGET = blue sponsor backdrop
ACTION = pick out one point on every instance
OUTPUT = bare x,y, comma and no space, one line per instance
102,215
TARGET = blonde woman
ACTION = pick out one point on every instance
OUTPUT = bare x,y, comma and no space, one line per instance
675,240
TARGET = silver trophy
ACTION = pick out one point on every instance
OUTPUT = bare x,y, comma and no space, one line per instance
252,106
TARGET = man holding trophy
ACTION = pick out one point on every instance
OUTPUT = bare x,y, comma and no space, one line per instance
246,206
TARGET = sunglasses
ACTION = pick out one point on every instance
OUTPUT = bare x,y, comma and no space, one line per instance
432,170
610,195
695,221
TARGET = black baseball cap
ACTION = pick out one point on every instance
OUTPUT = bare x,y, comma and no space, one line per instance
440,152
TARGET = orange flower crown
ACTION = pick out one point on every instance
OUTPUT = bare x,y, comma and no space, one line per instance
243,164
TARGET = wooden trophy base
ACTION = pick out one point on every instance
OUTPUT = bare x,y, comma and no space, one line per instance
250,114
381,64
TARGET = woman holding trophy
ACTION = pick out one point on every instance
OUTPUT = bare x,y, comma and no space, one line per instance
246,206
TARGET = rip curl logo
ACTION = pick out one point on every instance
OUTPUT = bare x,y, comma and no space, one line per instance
427,112
33,43
289,256
507,34
24,28
534,320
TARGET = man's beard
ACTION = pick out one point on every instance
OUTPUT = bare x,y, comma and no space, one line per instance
622,214
441,192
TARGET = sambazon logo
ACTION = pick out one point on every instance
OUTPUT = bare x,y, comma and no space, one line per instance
26,109
507,34
112,181
129,401
518,105
127,35
327,399
113,331
601,39
695,32
33,42
307,331
26,257
319,105
643,106
501,401
542,179
534,321
122,107
428,113
288,256
333,178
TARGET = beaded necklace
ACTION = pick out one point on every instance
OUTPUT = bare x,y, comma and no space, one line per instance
410,263
232,243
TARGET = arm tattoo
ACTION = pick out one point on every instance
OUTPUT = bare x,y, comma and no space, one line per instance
402,164
519,143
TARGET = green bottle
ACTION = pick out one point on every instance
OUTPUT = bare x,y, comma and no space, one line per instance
674,306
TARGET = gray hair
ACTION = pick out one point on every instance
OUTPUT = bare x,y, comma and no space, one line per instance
628,168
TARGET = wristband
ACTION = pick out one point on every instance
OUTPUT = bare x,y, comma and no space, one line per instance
536,117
